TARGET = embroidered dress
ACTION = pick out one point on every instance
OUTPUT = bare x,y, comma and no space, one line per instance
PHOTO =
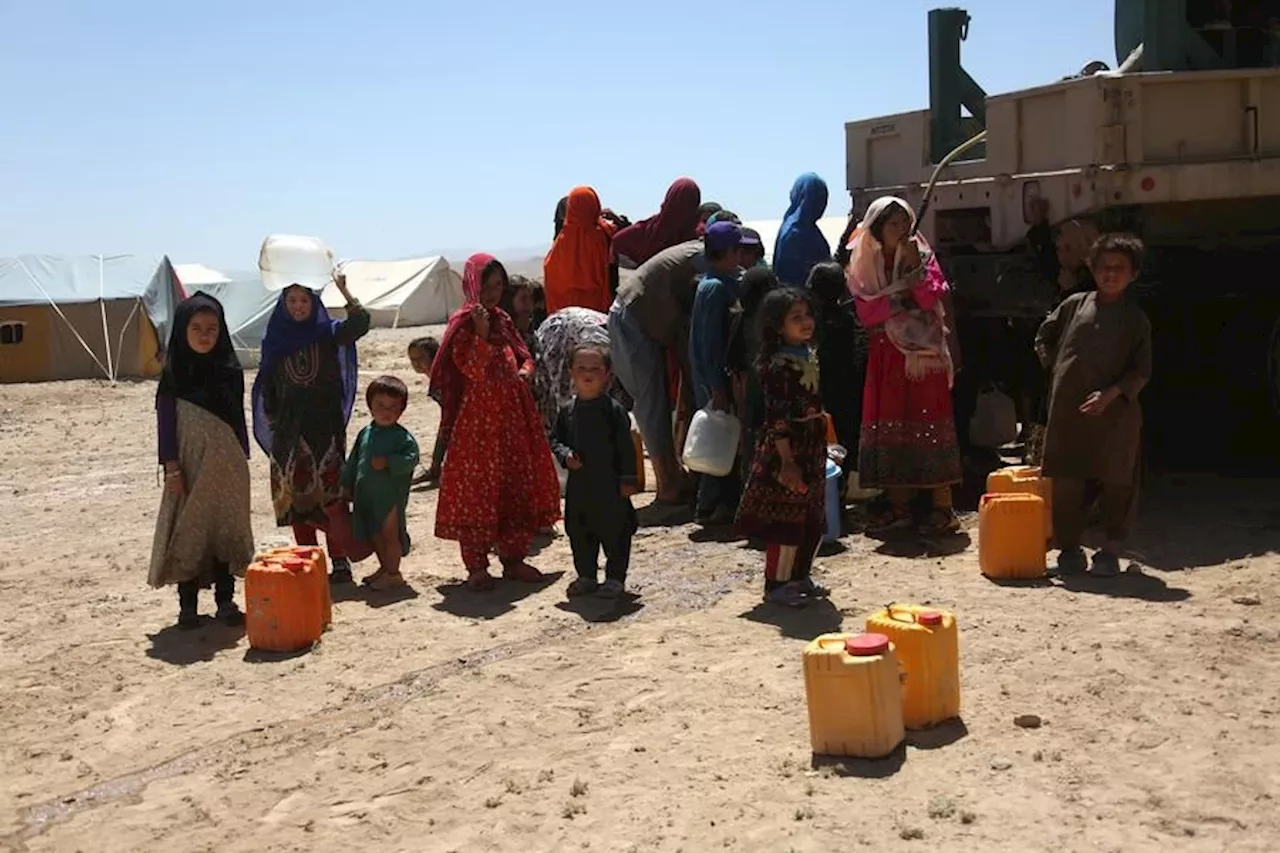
302,400
793,410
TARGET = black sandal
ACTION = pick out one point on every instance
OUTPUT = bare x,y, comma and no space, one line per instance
942,522
894,518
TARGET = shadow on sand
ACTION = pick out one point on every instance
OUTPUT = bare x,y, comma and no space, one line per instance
595,610
1133,583
373,597
862,768
183,647
797,623
458,599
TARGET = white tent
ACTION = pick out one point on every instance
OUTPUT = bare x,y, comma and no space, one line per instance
830,226
416,292
246,302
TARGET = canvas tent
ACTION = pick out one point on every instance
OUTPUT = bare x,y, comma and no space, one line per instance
416,292
830,226
246,303
82,317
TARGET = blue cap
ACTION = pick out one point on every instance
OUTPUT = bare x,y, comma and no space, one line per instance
722,236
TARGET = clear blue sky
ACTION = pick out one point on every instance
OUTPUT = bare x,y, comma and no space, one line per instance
392,128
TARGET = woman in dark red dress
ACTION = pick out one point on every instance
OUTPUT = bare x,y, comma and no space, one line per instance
498,485
908,438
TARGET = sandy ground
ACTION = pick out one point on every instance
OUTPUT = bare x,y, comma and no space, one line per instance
446,721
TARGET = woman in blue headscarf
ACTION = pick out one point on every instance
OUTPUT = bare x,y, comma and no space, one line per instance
302,400
800,243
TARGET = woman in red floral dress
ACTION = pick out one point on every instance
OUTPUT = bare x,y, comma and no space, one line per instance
498,485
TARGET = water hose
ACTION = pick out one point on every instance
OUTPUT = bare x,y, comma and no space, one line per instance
933,180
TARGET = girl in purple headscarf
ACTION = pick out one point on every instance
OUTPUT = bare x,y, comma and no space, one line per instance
302,400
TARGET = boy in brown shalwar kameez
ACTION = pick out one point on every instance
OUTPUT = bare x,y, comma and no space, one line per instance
1097,349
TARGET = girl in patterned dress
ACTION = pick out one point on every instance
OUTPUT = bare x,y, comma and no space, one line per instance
302,401
498,485
203,534
783,503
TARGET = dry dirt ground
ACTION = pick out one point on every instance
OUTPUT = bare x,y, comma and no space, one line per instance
443,720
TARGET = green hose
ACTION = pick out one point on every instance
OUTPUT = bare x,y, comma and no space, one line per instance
933,180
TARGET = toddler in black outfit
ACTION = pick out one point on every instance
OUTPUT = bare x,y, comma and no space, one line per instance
592,440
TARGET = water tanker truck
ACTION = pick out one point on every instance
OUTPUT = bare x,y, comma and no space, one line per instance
1179,143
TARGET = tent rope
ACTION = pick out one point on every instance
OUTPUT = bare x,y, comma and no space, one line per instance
58,309
124,328
106,333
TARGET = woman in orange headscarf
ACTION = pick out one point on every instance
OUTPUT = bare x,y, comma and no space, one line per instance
576,273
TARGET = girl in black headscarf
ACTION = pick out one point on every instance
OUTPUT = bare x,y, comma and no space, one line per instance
203,532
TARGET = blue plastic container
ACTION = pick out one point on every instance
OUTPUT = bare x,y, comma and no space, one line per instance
834,507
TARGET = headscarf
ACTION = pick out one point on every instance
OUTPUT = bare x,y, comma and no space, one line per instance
562,207
214,381
284,337
575,273
918,334
447,382
800,243
676,222
842,255
706,210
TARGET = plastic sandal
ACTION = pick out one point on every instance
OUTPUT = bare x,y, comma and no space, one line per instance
522,572
789,595
1105,565
582,586
942,522
388,581
891,519
813,589
481,581
229,614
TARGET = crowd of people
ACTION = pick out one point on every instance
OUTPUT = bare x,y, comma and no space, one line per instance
537,384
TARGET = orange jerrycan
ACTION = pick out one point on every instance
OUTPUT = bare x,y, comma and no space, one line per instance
318,572
1011,540
281,611
854,693
1028,479
928,647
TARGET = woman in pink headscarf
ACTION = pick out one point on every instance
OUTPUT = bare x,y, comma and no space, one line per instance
676,222
498,485
908,437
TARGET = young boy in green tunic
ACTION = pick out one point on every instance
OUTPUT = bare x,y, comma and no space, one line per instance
377,477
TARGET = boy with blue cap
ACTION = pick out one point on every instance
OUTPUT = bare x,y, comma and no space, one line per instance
713,308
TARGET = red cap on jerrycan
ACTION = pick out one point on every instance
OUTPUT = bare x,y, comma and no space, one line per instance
867,645
929,618
293,564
